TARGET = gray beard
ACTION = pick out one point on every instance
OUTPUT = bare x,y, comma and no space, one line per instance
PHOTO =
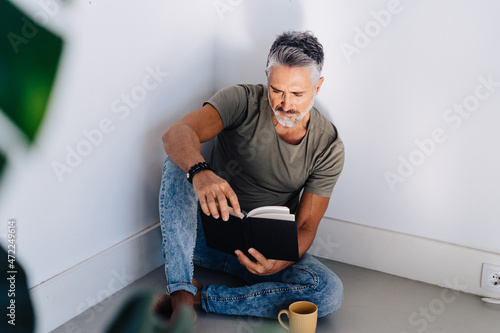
288,123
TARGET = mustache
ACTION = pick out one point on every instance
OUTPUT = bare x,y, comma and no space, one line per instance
280,109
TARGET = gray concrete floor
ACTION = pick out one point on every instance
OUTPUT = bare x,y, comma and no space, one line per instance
374,302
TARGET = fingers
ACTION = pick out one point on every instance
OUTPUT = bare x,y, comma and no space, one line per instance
258,256
204,206
227,193
233,199
212,206
213,192
224,211
207,202
263,266
245,261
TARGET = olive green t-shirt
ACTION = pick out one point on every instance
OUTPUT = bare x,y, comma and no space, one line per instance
263,169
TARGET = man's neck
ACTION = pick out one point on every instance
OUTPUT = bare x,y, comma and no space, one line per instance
292,135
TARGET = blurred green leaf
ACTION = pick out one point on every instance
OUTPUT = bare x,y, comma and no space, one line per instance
29,57
2,163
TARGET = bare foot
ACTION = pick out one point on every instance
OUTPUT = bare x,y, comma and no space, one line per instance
184,299
162,306
170,306
197,297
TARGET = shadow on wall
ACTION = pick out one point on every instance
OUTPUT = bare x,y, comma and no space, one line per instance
244,36
183,82
324,109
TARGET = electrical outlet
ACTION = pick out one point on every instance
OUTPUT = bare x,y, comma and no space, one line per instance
490,279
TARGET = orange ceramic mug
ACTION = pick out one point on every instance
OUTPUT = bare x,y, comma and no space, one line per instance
302,317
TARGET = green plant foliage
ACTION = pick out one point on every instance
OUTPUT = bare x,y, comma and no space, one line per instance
2,163
29,57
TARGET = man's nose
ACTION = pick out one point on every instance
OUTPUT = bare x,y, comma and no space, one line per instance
286,104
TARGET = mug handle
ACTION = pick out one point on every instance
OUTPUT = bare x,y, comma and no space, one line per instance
281,322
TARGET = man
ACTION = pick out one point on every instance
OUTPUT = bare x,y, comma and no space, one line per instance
271,145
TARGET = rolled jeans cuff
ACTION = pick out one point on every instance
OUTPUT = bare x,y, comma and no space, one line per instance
187,286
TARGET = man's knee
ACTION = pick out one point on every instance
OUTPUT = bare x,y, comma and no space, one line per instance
330,294
175,184
170,168
324,287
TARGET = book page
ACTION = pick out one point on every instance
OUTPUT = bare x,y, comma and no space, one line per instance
268,209
272,212
275,216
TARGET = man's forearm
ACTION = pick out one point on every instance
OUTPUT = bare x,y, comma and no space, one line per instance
305,239
182,142
312,207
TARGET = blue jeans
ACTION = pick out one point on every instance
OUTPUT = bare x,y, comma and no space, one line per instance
264,296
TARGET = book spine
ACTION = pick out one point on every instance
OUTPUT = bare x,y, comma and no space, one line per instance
247,231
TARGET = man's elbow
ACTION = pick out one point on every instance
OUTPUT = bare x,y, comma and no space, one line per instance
167,137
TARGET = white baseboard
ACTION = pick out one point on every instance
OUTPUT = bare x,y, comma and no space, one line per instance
412,257
68,294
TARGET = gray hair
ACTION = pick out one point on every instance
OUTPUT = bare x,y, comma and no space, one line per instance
297,49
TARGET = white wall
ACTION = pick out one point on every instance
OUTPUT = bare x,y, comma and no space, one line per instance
399,89
386,91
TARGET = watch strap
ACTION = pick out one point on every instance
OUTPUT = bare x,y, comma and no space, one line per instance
195,169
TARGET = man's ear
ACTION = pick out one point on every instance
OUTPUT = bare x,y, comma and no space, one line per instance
318,85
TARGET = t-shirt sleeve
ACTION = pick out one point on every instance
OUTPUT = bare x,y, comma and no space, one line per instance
326,170
232,105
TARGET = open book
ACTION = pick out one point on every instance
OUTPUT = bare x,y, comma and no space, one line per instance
268,212
271,230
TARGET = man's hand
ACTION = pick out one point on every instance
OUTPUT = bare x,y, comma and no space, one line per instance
263,266
209,187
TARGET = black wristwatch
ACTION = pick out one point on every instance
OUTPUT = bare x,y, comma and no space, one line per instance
195,169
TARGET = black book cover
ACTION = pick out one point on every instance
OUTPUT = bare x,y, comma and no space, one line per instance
275,239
